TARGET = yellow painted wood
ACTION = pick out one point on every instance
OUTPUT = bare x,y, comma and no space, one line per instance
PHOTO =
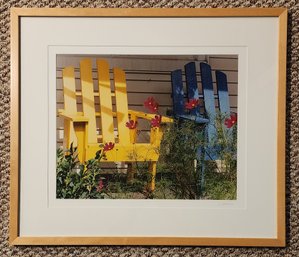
105,101
148,116
75,118
69,90
70,105
67,128
95,94
81,134
133,135
79,115
98,114
133,132
138,114
153,171
121,105
126,153
155,140
156,135
88,98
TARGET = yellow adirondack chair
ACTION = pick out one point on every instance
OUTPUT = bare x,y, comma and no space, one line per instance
80,128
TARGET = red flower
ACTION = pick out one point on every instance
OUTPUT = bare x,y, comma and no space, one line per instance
191,104
131,124
156,122
151,104
108,146
232,120
100,186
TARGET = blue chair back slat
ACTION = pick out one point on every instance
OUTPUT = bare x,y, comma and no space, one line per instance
209,101
192,88
221,81
177,92
208,91
223,98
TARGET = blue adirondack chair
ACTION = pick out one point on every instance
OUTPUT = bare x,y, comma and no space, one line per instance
209,115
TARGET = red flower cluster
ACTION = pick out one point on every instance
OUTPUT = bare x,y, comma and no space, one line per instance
151,104
100,186
108,146
191,104
156,122
131,124
232,120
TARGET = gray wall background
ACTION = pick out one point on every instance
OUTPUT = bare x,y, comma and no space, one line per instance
292,147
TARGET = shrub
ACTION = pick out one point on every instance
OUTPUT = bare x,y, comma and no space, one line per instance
178,155
182,156
75,180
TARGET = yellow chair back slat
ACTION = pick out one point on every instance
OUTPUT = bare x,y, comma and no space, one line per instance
121,105
70,104
69,90
88,99
105,101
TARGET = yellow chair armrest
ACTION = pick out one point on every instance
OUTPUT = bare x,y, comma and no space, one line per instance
148,116
71,117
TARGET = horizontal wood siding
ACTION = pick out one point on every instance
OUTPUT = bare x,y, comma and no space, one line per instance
146,76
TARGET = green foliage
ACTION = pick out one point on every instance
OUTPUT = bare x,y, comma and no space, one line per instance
227,144
164,189
180,163
179,169
135,186
75,180
220,186
221,175
177,165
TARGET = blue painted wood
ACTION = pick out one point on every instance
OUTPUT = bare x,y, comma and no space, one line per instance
209,102
223,100
177,92
197,119
223,97
208,91
192,87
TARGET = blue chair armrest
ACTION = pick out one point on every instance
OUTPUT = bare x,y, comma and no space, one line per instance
197,119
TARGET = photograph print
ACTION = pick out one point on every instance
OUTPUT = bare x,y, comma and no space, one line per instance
146,127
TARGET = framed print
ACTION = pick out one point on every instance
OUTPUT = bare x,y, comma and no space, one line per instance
148,127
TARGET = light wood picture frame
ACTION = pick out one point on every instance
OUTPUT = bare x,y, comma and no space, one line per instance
18,132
